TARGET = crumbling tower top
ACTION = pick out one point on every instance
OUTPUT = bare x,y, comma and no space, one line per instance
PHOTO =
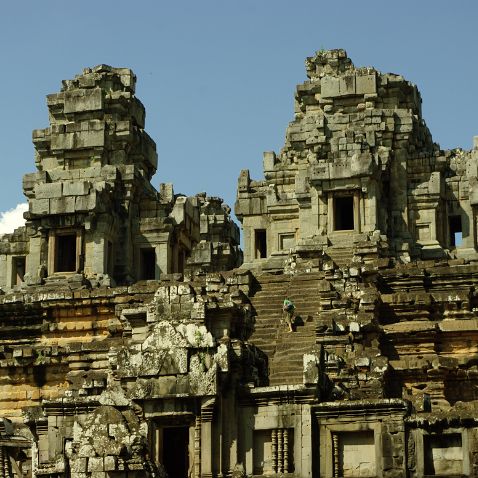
105,77
358,162
96,120
328,62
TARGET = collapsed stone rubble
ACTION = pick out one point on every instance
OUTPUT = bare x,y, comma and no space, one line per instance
136,342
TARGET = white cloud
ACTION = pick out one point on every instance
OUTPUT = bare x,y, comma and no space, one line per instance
13,218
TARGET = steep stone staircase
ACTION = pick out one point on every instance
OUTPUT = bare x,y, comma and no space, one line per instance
285,349
342,256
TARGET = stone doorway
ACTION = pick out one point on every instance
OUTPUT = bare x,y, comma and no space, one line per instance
260,243
344,213
170,447
147,266
65,254
175,451
456,231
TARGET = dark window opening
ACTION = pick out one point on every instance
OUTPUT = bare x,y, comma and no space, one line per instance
456,230
170,448
18,270
344,213
260,243
147,263
39,375
65,254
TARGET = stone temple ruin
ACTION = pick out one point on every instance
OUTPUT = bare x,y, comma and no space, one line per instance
136,341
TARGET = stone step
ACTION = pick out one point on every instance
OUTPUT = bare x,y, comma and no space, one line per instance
303,300
285,379
278,306
300,310
274,325
285,287
290,366
341,256
284,349
292,356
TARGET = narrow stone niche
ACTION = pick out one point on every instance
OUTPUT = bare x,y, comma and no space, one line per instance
356,454
139,326
443,454
262,459
286,241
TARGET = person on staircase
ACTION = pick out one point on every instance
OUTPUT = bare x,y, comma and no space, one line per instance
288,309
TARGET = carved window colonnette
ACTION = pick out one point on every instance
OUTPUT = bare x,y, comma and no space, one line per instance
280,450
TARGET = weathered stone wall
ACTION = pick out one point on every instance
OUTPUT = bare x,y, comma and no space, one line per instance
357,221
358,162
93,213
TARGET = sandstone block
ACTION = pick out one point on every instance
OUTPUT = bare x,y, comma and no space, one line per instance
89,139
77,101
48,190
63,205
76,188
330,86
62,141
85,203
40,207
347,85
366,84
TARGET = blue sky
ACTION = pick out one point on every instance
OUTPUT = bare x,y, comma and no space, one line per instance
217,77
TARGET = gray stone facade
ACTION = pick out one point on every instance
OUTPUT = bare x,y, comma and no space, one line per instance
358,166
135,343
93,214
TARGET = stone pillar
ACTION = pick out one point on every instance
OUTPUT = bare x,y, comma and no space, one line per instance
274,450
95,260
302,441
474,229
286,450
322,206
357,215
51,252
3,271
370,201
163,259
280,451
207,451
157,440
246,439
399,202
220,438
468,234
335,454
230,427
330,214
34,257
197,448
